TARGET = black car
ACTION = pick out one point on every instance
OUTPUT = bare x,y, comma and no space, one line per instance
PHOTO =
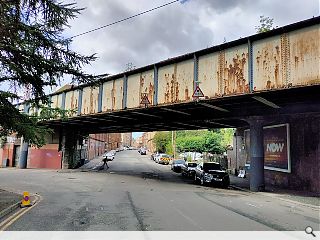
188,169
177,164
211,173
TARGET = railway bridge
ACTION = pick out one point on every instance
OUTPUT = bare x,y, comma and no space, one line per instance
267,86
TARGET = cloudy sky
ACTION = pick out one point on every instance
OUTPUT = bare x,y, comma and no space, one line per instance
173,30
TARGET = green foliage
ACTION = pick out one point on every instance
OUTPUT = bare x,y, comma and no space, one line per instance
266,24
190,143
161,140
15,121
214,141
34,53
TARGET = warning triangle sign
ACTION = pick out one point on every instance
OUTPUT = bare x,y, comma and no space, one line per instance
144,99
197,93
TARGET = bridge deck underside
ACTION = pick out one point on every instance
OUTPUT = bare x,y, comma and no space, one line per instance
227,112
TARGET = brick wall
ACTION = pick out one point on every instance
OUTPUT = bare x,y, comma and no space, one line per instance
305,157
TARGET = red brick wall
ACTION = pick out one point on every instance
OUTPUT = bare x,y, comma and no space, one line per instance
44,157
7,152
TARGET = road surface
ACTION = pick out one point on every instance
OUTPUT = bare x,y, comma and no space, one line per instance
137,194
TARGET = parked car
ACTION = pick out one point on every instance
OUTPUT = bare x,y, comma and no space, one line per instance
188,169
177,164
143,151
163,158
211,173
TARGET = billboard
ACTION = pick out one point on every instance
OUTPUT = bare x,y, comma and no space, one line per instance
276,143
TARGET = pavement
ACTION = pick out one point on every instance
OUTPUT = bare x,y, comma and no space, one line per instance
301,197
9,202
8,199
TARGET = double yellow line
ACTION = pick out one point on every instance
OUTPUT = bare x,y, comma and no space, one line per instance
14,217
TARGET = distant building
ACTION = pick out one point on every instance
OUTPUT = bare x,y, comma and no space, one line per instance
126,139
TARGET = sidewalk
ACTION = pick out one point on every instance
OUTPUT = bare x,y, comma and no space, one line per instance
8,202
301,197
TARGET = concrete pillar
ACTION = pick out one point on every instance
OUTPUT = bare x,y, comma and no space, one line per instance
23,154
256,155
68,143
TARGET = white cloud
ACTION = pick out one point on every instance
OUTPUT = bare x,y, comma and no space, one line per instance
173,30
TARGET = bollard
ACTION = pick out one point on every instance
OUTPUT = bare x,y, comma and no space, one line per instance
25,202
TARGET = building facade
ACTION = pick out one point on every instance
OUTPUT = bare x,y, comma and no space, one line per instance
49,156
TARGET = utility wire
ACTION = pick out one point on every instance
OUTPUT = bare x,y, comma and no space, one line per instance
124,19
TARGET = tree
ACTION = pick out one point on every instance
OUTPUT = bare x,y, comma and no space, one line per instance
34,53
266,24
161,140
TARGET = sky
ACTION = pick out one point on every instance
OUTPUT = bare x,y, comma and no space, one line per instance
179,28
174,30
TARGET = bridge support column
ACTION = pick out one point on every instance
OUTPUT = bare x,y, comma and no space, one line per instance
256,155
23,159
68,145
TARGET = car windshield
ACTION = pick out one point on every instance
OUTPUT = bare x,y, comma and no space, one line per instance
164,156
211,166
178,161
192,164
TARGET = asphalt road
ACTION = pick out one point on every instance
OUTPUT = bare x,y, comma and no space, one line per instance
135,193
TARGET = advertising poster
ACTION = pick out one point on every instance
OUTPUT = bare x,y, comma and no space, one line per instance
276,147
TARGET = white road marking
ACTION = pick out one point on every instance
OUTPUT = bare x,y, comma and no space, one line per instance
252,205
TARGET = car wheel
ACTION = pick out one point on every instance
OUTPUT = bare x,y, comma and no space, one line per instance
195,179
202,181
226,183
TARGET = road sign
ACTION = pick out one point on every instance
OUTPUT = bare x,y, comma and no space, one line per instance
197,93
145,99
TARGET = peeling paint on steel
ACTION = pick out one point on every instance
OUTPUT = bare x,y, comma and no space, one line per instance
207,74
304,56
72,99
133,95
175,82
291,59
267,64
56,101
147,85
90,100
225,72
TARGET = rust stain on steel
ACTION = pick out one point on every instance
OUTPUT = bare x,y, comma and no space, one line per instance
231,75
91,100
113,95
176,92
186,94
151,92
285,58
147,86
304,56
268,68
72,100
84,103
172,88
